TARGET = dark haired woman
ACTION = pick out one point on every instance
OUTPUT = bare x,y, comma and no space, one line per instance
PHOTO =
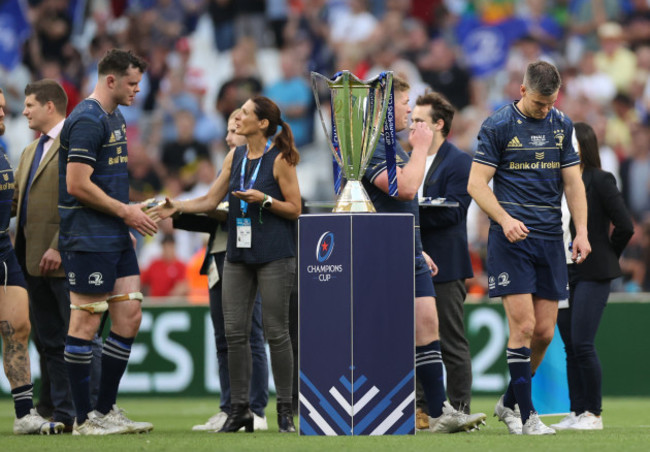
264,205
589,285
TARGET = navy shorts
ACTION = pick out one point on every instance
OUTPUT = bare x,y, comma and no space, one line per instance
11,272
423,281
536,266
97,272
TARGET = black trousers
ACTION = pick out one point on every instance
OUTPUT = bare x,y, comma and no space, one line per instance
49,305
450,299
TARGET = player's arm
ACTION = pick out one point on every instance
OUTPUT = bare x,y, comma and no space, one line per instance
409,177
480,176
576,197
80,186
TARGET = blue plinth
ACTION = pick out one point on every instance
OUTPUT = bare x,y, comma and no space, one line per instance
356,301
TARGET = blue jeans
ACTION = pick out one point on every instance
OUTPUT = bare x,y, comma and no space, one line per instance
578,326
259,389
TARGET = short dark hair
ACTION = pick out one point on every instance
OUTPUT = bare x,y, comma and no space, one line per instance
589,154
441,108
543,78
118,62
48,90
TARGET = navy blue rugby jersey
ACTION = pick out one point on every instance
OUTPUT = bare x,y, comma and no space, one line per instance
387,204
7,185
528,155
92,136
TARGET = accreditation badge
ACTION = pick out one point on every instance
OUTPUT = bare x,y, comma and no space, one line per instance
244,233
213,272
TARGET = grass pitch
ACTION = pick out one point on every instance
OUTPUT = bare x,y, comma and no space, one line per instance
627,428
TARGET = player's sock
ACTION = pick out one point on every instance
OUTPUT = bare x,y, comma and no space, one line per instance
23,402
428,365
78,356
115,357
509,399
520,379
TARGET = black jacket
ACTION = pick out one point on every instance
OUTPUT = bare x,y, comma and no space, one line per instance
605,204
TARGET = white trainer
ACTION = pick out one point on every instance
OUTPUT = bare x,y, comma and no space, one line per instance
535,426
259,423
452,421
97,425
213,424
566,422
117,417
588,421
510,417
33,423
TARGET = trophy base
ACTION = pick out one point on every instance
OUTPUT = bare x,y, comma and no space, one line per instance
353,198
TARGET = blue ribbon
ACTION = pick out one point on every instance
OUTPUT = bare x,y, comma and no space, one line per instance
335,166
243,205
336,169
390,140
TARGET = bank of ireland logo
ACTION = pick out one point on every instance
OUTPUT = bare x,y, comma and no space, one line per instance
325,246
95,279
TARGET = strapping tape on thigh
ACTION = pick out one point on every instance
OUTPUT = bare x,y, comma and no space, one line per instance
101,306
94,308
127,296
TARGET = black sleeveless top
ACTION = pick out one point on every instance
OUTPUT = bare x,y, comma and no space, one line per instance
273,237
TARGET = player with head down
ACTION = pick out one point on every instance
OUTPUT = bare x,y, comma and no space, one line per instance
525,148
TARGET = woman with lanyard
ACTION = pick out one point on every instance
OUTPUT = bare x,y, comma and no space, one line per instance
264,204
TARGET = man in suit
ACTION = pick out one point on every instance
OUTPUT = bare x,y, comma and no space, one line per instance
444,238
35,205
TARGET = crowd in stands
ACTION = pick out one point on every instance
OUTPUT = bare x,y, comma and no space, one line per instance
207,57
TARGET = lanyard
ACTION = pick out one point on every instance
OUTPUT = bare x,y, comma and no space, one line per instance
243,205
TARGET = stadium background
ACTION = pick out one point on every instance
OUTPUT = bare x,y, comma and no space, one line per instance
207,58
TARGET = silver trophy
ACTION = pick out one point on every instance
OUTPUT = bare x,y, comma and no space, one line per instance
358,112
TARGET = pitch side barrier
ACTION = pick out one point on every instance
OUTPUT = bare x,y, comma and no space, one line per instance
174,353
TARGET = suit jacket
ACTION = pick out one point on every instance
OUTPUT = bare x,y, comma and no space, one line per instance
444,229
42,228
605,204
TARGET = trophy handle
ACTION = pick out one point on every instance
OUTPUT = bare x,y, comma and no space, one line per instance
377,131
315,76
